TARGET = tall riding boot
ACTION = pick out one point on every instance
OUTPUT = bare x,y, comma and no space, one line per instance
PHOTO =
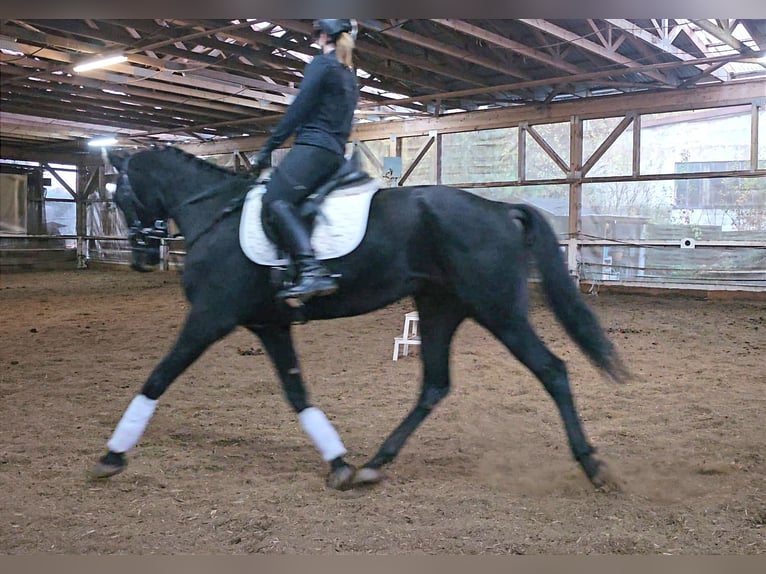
313,277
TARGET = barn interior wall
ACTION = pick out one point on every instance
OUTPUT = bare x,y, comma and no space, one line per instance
627,222
630,224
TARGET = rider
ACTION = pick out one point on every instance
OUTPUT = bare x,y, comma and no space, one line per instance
321,116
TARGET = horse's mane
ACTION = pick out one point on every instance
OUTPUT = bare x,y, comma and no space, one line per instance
191,157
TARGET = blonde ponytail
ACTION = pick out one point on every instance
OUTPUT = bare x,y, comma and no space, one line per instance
344,49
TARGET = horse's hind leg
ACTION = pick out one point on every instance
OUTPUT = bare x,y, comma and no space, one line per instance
440,315
279,345
524,343
200,330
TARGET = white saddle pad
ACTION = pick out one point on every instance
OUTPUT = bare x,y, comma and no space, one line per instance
338,229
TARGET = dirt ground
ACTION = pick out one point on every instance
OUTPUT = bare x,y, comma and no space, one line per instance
225,469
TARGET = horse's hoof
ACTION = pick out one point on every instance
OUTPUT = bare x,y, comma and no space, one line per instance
605,480
341,478
366,475
101,470
108,465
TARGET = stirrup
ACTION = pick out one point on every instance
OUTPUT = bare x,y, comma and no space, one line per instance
297,295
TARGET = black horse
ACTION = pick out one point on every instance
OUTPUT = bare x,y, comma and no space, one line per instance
458,255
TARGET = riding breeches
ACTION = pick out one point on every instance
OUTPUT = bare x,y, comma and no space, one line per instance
300,173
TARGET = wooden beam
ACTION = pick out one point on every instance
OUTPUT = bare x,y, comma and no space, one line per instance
754,116
649,54
658,43
577,40
99,80
757,31
574,226
46,129
224,82
260,122
115,120
707,71
113,113
63,157
92,184
508,44
439,159
522,151
723,35
443,48
63,183
418,156
382,52
547,148
607,143
636,171
720,95
614,179
371,156
253,38
564,79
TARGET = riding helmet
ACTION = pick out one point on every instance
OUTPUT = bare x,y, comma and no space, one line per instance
334,27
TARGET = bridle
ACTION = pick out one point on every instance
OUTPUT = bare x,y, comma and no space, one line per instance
144,241
231,207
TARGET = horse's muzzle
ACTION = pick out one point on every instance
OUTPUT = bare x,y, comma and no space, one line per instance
145,246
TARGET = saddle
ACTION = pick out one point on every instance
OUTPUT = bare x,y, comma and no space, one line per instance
349,174
335,215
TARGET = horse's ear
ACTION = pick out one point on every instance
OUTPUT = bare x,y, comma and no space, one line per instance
119,160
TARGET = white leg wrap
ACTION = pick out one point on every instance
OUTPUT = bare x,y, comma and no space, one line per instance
132,424
325,437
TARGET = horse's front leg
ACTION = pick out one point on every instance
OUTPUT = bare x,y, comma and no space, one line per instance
278,343
200,330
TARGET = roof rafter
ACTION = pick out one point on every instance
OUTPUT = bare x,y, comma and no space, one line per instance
363,46
664,44
592,47
508,44
723,35
443,48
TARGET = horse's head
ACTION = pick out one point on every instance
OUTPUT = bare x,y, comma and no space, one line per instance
146,217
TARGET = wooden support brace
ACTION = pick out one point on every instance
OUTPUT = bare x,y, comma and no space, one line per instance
607,143
547,149
418,156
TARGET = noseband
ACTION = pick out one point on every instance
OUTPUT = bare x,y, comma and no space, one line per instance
144,241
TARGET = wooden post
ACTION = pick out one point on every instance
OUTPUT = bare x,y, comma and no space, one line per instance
438,174
81,216
754,133
164,254
575,194
637,145
522,147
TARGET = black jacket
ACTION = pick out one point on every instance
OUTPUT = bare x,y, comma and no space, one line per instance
323,111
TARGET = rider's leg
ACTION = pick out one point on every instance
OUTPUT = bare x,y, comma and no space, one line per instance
302,170
314,278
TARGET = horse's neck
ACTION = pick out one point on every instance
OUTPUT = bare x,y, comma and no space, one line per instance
200,199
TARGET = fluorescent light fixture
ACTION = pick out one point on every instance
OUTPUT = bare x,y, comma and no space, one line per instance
103,142
100,63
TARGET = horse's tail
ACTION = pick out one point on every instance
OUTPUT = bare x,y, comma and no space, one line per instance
566,301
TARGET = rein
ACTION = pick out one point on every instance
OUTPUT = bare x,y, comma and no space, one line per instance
234,205
131,202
